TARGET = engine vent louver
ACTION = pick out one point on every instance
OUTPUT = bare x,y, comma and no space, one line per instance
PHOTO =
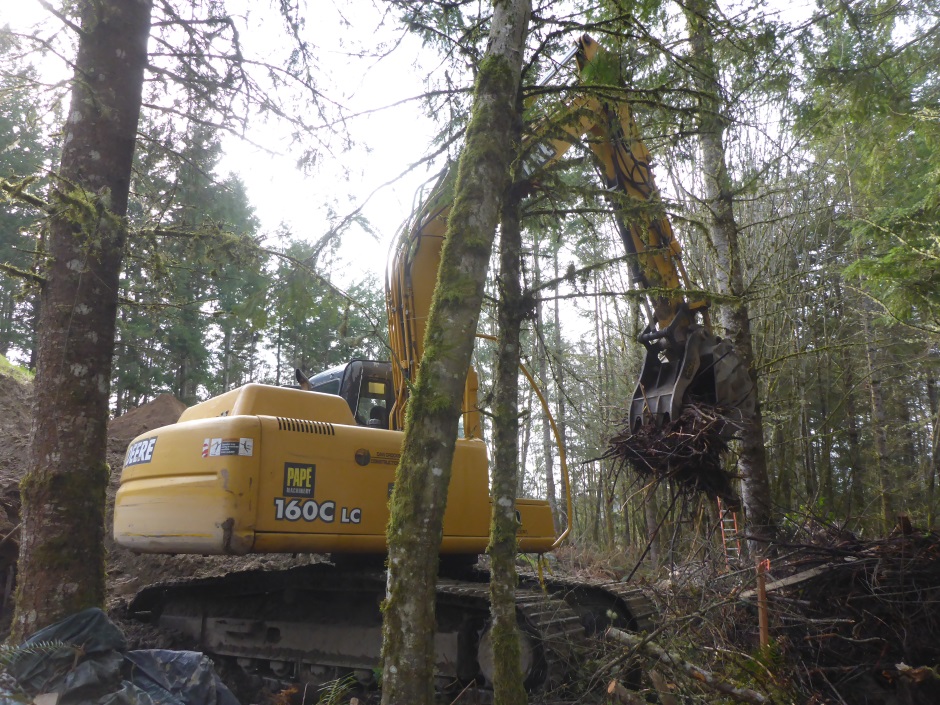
304,426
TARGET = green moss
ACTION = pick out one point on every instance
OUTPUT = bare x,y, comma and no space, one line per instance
78,484
57,554
89,215
20,374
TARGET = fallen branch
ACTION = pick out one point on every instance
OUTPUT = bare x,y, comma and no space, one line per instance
793,579
744,695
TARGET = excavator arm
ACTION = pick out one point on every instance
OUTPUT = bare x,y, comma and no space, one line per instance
683,359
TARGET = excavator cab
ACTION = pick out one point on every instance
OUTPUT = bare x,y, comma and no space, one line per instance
366,385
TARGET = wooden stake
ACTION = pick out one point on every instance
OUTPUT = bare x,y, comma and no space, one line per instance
762,614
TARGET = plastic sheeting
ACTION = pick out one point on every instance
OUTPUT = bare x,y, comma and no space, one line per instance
83,659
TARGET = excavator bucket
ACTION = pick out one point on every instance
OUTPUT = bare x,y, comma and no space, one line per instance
705,370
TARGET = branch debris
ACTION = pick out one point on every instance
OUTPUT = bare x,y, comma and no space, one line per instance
857,613
716,683
688,451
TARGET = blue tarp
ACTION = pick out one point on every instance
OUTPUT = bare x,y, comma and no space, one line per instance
84,659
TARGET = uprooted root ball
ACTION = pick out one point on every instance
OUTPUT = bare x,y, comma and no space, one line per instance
688,451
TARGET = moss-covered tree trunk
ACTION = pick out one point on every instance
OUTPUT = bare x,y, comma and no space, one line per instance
511,309
420,494
723,228
61,567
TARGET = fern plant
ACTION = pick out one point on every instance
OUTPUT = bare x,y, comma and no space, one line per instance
335,692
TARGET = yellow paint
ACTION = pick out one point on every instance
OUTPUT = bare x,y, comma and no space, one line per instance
330,482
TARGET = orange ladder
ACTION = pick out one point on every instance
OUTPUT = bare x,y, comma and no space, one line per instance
730,538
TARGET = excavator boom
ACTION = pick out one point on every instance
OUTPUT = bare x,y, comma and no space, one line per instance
683,358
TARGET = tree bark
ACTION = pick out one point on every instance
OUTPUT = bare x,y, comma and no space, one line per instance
933,462
423,476
61,566
719,202
508,679
561,412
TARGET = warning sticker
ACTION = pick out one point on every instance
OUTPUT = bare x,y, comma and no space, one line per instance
299,480
214,447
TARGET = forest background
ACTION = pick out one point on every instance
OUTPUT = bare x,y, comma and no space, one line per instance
831,128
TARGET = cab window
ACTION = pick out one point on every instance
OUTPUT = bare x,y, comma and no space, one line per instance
373,402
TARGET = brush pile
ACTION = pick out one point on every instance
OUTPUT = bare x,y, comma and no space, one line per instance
688,452
865,619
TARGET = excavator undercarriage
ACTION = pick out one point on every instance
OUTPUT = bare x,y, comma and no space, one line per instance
319,622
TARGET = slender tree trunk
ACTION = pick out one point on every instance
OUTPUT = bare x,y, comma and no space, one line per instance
904,452
6,329
651,515
933,462
226,358
880,430
526,410
609,482
719,200
61,567
824,466
511,309
34,331
856,494
598,490
277,361
784,480
547,444
810,484
420,493
561,413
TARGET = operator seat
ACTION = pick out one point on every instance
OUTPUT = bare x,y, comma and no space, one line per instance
378,418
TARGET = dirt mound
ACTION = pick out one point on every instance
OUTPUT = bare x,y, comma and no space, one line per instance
16,408
129,572
162,411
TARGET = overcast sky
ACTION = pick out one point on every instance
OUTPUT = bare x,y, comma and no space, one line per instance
387,140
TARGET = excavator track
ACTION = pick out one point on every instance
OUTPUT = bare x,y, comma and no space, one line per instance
607,602
314,623
553,637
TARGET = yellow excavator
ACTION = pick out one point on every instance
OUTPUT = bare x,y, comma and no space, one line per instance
266,469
